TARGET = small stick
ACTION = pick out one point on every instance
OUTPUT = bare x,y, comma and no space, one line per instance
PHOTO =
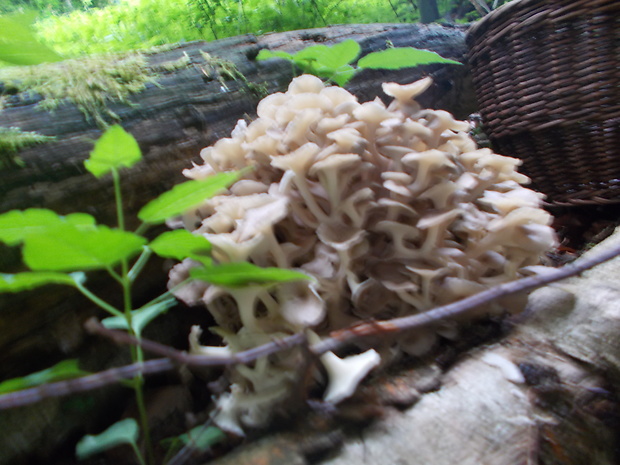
83,384
183,358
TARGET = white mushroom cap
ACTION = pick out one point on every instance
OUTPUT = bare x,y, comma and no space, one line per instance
426,163
372,112
405,93
346,373
305,84
268,106
298,161
302,305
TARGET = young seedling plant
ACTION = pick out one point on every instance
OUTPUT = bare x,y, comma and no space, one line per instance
61,249
333,63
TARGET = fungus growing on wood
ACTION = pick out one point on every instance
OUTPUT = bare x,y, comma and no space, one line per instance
392,209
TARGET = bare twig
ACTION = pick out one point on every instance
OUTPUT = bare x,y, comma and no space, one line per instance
481,7
83,384
336,339
183,358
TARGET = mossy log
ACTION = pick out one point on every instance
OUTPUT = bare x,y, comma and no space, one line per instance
191,102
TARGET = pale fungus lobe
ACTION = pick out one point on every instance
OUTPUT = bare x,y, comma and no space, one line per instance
392,209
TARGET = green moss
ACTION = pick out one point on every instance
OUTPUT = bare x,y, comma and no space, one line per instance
91,83
220,69
224,70
14,139
170,66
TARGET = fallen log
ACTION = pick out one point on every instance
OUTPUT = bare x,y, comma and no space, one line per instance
192,106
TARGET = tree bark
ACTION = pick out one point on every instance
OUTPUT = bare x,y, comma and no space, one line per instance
429,11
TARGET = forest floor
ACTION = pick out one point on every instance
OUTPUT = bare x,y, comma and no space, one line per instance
579,228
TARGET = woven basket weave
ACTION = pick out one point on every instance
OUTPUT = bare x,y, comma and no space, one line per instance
547,78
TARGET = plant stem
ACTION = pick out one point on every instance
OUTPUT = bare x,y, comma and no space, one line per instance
168,294
144,421
137,354
115,275
119,199
125,282
98,301
140,457
143,227
137,267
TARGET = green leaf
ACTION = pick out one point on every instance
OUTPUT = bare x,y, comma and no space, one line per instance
139,318
67,248
343,75
18,224
29,280
121,432
66,369
185,196
180,244
243,274
202,438
115,149
326,59
18,43
401,57
265,54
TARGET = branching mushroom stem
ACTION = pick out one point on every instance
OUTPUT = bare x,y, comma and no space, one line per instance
174,358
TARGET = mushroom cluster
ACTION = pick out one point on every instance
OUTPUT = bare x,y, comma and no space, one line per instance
391,209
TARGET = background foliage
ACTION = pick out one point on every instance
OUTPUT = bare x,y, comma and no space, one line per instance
80,27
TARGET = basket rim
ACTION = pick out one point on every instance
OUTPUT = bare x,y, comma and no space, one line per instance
510,8
505,9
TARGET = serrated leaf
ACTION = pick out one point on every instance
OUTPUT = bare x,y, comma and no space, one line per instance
185,196
244,274
115,149
15,225
327,59
30,280
180,244
66,369
401,57
67,248
265,54
121,432
139,318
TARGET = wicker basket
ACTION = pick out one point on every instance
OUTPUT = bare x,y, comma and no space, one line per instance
547,78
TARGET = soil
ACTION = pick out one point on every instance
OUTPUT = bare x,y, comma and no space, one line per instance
580,228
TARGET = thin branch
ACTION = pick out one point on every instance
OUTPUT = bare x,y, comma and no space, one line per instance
336,340
83,384
183,358
481,7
